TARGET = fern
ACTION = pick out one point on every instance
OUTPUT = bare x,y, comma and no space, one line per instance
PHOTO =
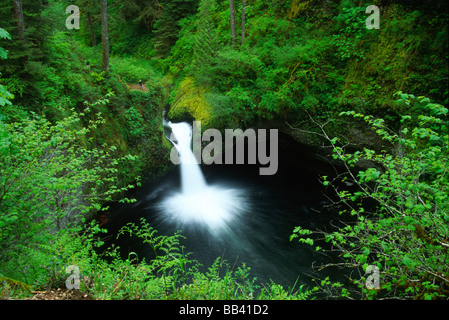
170,261
15,284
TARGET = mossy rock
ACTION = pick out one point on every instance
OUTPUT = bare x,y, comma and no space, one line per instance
190,103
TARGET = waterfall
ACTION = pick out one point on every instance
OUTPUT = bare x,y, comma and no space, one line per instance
191,176
198,203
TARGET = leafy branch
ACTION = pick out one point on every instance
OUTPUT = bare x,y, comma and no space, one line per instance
405,231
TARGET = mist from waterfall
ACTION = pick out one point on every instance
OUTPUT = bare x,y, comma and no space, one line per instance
198,203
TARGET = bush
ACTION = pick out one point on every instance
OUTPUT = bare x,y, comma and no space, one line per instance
105,275
405,234
50,180
132,70
170,274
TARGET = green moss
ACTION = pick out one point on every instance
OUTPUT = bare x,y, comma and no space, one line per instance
190,100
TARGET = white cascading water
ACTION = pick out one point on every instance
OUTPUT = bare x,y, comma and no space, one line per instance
191,177
197,202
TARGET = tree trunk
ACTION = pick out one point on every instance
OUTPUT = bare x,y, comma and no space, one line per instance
105,36
232,11
91,27
18,15
243,22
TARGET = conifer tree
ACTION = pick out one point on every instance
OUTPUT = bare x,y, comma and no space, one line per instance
243,22
18,15
143,12
105,35
232,19
206,43
166,27
22,19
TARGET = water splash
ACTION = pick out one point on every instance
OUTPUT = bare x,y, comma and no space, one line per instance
197,203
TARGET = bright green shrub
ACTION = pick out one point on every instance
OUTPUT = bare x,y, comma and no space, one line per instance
132,70
405,233
169,274
49,180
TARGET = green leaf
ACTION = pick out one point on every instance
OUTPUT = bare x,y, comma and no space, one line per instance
4,34
3,53
407,261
